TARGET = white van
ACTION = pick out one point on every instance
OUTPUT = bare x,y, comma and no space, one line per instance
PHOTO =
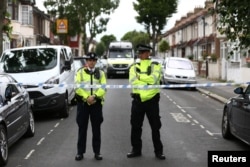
37,66
119,58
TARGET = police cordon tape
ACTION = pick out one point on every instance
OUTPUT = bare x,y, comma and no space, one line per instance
106,86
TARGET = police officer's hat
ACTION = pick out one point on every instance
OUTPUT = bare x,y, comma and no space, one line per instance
91,55
143,48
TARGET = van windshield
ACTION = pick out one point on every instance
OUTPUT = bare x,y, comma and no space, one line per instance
120,53
29,60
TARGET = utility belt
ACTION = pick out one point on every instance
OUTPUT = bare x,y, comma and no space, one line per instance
137,97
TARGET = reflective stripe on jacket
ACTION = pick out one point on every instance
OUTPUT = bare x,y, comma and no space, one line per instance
139,75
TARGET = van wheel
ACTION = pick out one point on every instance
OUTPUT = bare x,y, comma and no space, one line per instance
31,129
4,151
65,109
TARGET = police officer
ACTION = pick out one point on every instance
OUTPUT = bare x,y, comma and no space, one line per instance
90,101
145,101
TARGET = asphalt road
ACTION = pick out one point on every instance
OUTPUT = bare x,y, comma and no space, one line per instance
190,128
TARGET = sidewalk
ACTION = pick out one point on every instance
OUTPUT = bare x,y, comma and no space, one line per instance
220,93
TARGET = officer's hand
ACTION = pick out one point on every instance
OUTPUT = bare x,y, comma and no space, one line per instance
91,99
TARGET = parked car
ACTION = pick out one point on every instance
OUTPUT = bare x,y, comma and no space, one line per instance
16,117
178,70
236,116
41,69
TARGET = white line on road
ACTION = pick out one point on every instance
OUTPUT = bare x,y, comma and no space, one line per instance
189,115
183,110
30,153
202,127
196,121
57,124
50,131
40,141
211,134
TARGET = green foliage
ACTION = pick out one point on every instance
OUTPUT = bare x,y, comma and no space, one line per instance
84,16
136,38
106,39
234,19
190,57
153,15
164,46
100,49
213,57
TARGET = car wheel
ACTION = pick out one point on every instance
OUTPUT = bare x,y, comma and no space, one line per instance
65,109
4,151
31,129
226,133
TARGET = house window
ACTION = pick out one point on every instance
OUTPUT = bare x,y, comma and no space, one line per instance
26,15
13,9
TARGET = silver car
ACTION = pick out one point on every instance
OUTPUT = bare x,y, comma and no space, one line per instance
178,70
16,117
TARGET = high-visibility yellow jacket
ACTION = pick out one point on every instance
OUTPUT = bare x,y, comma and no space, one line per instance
83,76
145,73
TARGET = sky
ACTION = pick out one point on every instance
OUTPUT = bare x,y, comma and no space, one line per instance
122,20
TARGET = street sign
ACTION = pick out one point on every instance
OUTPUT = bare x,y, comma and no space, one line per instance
62,26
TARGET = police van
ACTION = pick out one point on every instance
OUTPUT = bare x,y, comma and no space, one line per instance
120,57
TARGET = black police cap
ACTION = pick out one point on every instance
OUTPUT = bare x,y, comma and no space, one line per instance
91,55
142,48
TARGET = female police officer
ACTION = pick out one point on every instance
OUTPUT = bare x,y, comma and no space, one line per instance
145,101
90,101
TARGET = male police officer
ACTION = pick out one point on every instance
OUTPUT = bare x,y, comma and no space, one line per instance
90,101
145,101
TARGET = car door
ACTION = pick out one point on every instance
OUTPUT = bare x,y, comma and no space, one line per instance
16,112
237,115
247,115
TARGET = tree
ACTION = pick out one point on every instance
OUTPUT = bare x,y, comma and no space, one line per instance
153,15
100,49
234,21
106,39
86,17
136,38
164,46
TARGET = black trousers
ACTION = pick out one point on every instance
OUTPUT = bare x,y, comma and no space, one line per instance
84,112
138,111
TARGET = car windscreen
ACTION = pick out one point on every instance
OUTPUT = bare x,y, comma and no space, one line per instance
29,60
120,53
180,64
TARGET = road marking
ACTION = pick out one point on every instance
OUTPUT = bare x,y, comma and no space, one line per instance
183,110
50,131
40,141
208,132
30,153
202,127
196,121
57,124
179,117
189,107
189,116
